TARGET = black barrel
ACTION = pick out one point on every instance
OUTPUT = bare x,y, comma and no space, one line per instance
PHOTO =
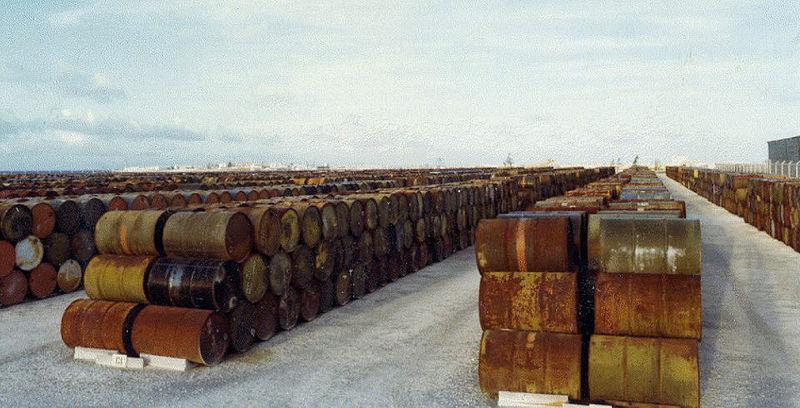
16,221
197,283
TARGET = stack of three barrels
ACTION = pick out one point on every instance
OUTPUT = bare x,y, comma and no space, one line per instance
36,249
646,264
165,284
532,303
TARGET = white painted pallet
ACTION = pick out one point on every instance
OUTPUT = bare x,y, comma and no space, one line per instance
508,399
110,358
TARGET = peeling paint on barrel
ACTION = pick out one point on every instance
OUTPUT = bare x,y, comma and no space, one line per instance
533,301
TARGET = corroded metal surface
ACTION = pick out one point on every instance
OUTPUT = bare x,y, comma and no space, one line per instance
547,363
16,221
200,336
225,235
13,288
280,273
57,248
29,253
131,232
265,316
242,331
98,324
118,278
188,282
538,244
648,305
641,369
8,258
532,301
43,218
70,275
254,279
42,280
625,245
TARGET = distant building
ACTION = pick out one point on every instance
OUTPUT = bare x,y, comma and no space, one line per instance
784,149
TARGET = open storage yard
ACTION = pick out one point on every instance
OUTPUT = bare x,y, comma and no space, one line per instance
415,342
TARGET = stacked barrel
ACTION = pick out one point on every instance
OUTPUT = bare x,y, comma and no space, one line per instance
646,265
41,247
594,295
240,271
770,204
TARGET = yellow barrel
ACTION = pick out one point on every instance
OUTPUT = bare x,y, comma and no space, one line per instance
627,245
534,301
642,369
117,277
131,232
522,361
223,235
254,277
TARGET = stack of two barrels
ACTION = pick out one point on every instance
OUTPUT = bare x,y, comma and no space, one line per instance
168,284
647,308
41,246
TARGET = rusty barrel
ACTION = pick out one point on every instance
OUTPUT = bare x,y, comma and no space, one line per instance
358,276
29,253
329,218
131,232
642,369
266,228
343,286
290,227
200,336
8,258
68,215
224,235
310,302
116,203
192,282
265,317
520,245
16,221
43,218
536,362
99,324
324,256
242,331
280,273
327,296
578,219
57,248
13,288
118,278
42,280
532,301
310,222
83,247
302,267
631,245
91,209
254,277
651,305
70,275
288,309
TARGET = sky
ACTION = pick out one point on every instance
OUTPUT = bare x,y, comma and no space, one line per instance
110,84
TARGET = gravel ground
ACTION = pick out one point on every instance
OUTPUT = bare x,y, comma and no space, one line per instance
415,342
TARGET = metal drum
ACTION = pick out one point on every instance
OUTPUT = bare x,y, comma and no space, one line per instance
533,301
118,278
521,361
99,324
188,282
200,336
131,232
642,369
224,235
525,245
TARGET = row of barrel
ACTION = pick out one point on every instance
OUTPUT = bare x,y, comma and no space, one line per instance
51,185
771,204
239,274
595,303
55,238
